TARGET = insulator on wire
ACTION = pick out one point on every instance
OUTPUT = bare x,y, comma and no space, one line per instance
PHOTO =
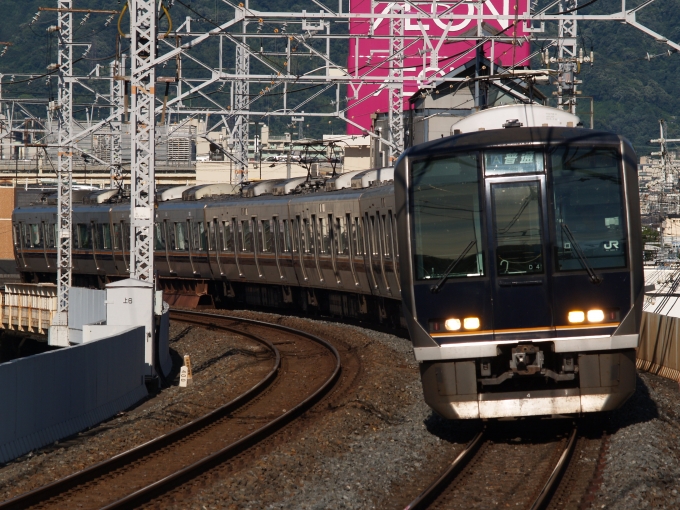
108,21
85,18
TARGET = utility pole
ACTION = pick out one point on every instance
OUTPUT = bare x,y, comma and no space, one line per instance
241,103
64,29
567,57
117,93
396,85
143,36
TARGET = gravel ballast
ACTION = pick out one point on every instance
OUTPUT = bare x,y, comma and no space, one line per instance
223,367
643,462
372,443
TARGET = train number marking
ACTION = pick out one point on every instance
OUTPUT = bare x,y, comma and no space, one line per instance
127,301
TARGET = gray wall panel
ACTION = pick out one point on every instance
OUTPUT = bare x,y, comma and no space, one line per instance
55,394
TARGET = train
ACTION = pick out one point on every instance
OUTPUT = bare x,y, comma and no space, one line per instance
511,251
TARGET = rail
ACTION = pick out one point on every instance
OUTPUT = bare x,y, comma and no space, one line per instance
431,495
180,437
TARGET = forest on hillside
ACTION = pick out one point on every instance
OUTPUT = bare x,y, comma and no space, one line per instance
631,92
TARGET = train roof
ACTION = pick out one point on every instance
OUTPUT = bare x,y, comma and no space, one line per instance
514,136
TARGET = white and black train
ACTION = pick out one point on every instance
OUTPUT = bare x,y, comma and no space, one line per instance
520,279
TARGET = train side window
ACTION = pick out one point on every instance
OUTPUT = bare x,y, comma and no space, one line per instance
228,239
126,235
84,236
96,235
210,236
267,240
314,235
306,236
341,235
170,234
259,242
393,225
371,235
116,236
159,238
283,233
202,236
325,235
26,235
36,236
338,235
247,231
17,235
197,236
296,233
106,236
49,235
181,236
357,234
387,236
277,237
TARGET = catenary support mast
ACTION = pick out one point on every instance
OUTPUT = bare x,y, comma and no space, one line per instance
567,54
396,85
64,109
241,104
143,16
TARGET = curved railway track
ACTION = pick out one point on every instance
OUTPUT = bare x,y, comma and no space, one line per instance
305,369
533,488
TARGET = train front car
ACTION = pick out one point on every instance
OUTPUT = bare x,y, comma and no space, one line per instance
524,292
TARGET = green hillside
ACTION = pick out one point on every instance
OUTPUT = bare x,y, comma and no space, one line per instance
631,93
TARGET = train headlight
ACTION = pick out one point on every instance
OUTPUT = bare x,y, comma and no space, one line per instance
452,324
595,315
576,316
471,323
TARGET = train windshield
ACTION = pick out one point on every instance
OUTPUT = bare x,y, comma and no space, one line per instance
587,191
447,217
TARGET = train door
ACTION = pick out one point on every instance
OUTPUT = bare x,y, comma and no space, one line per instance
19,242
210,241
518,256
216,242
369,244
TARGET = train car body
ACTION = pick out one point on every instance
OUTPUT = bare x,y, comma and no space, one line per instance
523,296
512,255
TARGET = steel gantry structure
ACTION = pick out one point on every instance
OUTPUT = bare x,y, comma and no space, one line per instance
278,57
143,37
64,110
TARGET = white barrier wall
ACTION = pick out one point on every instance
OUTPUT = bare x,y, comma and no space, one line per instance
86,306
49,396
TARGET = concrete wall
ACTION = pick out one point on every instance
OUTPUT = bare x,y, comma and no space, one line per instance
49,396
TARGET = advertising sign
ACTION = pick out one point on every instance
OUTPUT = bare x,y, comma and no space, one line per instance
429,52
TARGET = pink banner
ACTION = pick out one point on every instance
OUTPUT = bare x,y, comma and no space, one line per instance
369,49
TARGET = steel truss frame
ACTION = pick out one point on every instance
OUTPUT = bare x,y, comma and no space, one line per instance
64,168
237,32
143,36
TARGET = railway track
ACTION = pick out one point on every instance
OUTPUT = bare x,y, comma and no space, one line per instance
304,369
545,476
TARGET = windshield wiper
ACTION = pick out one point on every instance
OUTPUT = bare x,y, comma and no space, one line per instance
436,288
584,261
